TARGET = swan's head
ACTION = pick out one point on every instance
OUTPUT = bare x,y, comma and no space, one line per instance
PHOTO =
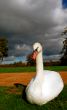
37,46
37,49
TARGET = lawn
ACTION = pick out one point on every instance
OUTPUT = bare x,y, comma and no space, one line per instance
12,101
31,69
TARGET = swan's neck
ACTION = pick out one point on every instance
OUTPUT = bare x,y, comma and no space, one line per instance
39,64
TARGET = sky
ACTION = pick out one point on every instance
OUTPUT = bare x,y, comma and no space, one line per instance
24,22
64,3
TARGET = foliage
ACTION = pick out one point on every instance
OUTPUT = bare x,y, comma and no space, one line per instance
64,31
12,101
64,57
64,50
3,48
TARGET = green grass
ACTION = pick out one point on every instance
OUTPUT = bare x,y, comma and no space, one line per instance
17,69
31,69
15,102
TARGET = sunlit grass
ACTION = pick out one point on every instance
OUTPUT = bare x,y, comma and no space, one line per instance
14,101
31,69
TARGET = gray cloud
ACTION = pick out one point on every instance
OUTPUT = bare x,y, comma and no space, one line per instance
31,17
27,21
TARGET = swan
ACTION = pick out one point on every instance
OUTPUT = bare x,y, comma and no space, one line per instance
46,85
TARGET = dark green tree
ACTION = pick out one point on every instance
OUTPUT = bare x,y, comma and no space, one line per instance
64,31
64,50
3,48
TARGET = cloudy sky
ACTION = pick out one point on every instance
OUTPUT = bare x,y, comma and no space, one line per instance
24,22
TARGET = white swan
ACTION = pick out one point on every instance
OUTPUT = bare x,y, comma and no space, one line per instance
46,85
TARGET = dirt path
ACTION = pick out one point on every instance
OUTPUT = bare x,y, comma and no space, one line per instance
8,79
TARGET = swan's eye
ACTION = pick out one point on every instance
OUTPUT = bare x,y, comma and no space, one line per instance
36,49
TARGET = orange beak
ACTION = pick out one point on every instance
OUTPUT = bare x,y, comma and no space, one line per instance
34,55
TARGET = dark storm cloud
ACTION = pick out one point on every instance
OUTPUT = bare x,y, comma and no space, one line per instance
25,16
27,21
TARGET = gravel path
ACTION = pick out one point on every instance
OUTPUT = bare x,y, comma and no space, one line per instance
8,79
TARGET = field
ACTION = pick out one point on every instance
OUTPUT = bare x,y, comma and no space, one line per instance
14,101
11,97
30,69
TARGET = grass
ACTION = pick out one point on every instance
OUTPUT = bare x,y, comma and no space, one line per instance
14,101
31,69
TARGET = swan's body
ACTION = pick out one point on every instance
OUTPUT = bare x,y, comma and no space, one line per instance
46,85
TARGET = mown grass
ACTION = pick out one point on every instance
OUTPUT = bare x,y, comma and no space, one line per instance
14,101
31,69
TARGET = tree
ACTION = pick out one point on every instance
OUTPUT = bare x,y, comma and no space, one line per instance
64,57
3,48
64,32
30,62
64,50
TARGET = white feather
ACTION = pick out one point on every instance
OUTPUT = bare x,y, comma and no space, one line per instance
46,85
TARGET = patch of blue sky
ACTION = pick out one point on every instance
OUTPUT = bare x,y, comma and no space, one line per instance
21,59
64,3
14,60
